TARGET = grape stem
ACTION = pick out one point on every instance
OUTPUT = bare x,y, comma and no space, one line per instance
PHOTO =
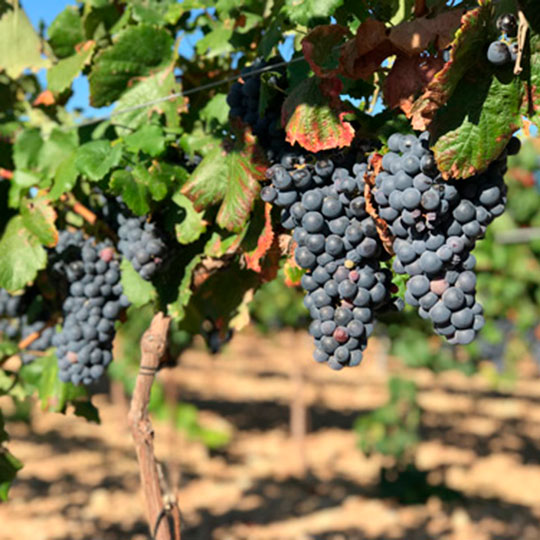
28,340
80,209
522,36
162,510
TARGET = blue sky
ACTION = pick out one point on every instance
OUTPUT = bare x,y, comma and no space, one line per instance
46,11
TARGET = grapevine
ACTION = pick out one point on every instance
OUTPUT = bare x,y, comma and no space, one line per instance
360,157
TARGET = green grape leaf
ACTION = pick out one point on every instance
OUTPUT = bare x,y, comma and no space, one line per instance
65,32
39,217
191,223
228,175
62,74
155,182
134,193
304,11
216,42
22,256
473,128
53,394
86,410
96,158
65,176
9,466
216,112
154,12
156,86
20,44
137,52
532,95
177,309
467,53
313,116
26,149
138,290
59,146
148,138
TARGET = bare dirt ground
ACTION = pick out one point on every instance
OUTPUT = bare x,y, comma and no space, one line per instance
481,450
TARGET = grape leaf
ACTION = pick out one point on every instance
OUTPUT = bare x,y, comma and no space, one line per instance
177,309
26,148
61,75
313,116
54,395
414,37
155,86
59,146
96,158
87,410
65,177
228,175
133,192
303,11
475,125
20,44
408,76
137,52
321,49
65,32
155,182
9,465
265,239
531,106
467,50
148,138
362,55
191,224
39,217
22,256
154,12
138,290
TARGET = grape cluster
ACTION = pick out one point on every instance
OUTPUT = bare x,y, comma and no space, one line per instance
140,243
18,322
435,225
92,305
338,246
504,50
244,100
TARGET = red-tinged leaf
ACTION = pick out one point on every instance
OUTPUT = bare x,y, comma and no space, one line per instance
293,273
270,263
39,217
264,242
313,119
409,75
416,36
46,98
467,49
383,230
476,124
229,175
362,55
321,48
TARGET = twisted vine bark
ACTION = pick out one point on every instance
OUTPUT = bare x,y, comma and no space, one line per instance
162,511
